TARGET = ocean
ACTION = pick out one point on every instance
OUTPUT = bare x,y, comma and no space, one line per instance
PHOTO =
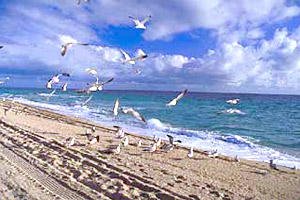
261,127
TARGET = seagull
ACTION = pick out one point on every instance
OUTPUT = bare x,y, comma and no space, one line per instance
92,71
139,143
125,141
64,87
98,86
120,133
70,141
86,101
134,113
174,101
118,149
236,158
191,153
127,59
153,148
233,101
171,140
4,80
79,1
64,47
116,107
213,154
140,24
272,165
55,79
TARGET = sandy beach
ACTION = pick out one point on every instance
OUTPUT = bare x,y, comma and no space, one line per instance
37,164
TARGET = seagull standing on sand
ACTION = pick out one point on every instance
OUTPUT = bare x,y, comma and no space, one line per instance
153,148
175,101
139,143
140,24
191,153
120,133
118,149
233,101
64,47
125,141
93,139
134,113
70,141
213,154
272,165
116,108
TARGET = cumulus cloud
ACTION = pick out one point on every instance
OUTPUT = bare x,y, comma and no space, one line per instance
266,63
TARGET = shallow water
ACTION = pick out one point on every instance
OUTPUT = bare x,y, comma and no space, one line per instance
265,127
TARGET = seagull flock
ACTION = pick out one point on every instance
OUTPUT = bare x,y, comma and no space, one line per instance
98,86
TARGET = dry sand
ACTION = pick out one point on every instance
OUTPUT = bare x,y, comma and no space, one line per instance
36,163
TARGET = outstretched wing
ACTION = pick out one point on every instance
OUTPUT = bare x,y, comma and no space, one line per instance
108,81
146,19
126,56
136,21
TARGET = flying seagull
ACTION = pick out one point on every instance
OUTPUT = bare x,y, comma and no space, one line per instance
86,101
116,108
64,47
98,86
92,71
64,87
233,101
55,79
174,101
141,55
79,1
4,80
134,113
140,24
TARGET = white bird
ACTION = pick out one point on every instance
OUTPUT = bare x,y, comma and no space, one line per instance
92,71
171,140
140,24
86,101
153,148
79,1
70,141
141,55
175,101
191,153
93,139
64,87
134,113
120,133
139,143
116,108
125,141
233,101
64,47
4,80
118,149
236,158
272,164
98,86
213,154
55,79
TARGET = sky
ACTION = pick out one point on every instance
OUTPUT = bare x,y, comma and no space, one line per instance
246,46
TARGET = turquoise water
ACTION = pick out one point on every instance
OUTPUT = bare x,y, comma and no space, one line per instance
267,126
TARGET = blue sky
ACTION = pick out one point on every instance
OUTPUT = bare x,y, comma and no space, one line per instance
202,45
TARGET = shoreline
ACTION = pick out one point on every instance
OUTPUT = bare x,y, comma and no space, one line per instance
171,173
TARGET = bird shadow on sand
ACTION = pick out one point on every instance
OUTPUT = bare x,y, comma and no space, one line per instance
47,133
109,150
263,173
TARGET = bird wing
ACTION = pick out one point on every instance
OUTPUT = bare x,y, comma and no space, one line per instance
108,81
91,71
182,94
144,21
52,92
138,115
140,55
49,84
64,87
88,100
126,56
63,50
136,21
116,107
171,139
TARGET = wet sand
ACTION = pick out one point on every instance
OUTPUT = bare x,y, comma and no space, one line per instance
35,137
